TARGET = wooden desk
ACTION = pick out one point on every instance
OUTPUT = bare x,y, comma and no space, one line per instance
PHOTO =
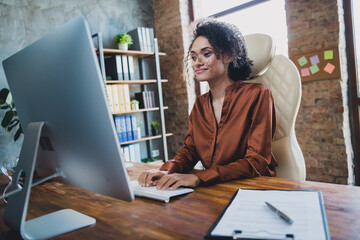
185,217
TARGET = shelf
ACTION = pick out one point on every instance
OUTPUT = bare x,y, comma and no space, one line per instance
157,82
135,81
134,53
140,110
145,138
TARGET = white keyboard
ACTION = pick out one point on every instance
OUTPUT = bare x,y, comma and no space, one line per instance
161,195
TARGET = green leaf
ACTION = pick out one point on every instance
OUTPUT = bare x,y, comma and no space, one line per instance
123,38
7,119
9,99
13,124
17,134
3,94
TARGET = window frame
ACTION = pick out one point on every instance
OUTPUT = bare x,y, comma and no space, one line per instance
354,100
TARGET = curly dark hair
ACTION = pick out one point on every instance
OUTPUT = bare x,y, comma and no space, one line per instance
226,39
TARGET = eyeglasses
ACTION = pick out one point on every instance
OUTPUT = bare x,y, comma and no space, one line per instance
204,57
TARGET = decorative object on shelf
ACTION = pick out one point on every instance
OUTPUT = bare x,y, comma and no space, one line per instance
134,104
123,41
155,128
10,119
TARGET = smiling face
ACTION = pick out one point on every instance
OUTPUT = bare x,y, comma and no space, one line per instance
205,63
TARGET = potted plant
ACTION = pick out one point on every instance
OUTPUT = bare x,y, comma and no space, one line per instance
155,128
123,41
10,120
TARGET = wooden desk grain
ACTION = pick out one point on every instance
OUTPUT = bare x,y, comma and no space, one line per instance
185,217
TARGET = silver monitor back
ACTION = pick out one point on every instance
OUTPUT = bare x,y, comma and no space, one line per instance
57,80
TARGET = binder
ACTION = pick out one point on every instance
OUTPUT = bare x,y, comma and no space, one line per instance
113,67
136,34
126,152
121,94
123,129
119,68
116,103
132,153
118,127
140,96
147,41
134,127
127,97
262,223
125,68
144,38
151,33
110,98
129,135
152,99
131,67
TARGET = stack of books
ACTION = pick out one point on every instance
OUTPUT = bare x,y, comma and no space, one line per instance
132,152
143,39
118,98
126,128
146,99
119,67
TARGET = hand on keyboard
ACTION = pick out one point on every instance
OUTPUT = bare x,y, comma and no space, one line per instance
163,180
152,192
175,180
147,178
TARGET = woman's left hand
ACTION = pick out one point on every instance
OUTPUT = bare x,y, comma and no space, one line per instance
176,180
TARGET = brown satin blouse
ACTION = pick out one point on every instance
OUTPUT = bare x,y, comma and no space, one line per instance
239,146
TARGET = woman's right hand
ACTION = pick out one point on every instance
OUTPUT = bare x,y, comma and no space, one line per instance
147,178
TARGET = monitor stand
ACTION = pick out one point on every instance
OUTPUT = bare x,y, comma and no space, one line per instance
46,226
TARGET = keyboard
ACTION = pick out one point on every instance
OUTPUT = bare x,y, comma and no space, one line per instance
153,193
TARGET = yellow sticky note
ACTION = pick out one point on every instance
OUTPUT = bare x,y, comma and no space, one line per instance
328,55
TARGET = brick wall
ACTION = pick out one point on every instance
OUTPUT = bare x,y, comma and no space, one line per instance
171,20
320,125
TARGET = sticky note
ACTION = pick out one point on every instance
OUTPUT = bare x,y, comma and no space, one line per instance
314,60
302,61
328,55
329,68
314,69
305,72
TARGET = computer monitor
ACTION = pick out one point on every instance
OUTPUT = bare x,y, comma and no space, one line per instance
56,81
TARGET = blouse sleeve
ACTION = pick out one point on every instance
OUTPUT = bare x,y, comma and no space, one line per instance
258,158
186,157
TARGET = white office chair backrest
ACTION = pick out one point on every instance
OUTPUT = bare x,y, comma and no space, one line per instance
280,75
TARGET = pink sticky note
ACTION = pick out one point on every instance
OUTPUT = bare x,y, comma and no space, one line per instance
329,68
305,72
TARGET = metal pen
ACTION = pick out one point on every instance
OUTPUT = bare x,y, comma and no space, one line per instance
280,213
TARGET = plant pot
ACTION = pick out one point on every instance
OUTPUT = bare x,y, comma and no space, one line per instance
154,132
123,46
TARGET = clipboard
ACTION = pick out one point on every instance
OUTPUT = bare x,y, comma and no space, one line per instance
263,234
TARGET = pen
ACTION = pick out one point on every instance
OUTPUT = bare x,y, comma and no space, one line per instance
280,213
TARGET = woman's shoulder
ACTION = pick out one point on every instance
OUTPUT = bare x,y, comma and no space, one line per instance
202,98
254,88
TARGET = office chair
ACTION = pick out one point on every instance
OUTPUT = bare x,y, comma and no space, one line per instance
280,75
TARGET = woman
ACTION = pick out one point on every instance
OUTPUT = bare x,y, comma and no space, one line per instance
232,126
